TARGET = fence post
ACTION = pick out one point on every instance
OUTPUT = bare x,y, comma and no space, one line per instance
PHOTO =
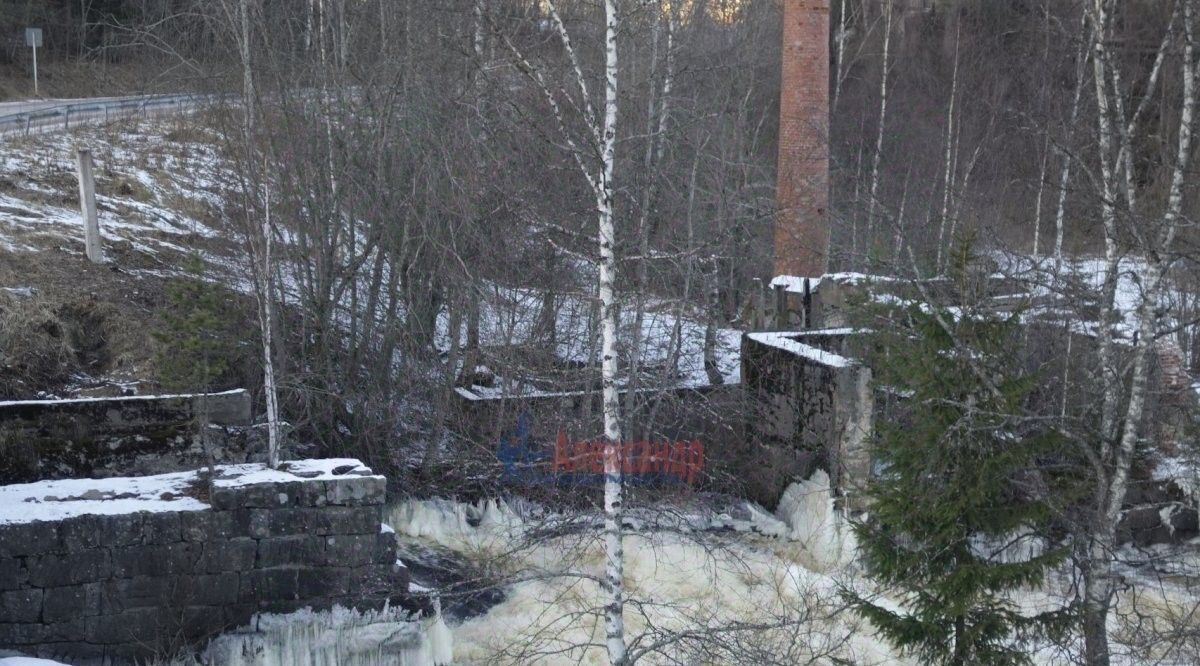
87,205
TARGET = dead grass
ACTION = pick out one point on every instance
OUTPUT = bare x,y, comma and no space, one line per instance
35,344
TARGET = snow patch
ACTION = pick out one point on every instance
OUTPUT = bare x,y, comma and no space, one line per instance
67,498
787,342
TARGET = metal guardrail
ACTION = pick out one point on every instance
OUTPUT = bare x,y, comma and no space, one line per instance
72,114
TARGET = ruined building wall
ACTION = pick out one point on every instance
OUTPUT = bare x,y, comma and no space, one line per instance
145,583
815,411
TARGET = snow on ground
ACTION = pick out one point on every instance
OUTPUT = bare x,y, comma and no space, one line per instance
57,500
66,498
155,192
510,317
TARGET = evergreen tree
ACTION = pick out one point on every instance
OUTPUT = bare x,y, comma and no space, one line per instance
948,494
197,343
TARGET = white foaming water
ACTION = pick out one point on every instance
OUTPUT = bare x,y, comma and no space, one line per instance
676,580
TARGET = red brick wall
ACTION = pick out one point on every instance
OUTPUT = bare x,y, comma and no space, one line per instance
802,194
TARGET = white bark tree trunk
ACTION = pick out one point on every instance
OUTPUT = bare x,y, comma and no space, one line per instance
613,503
1117,448
266,313
948,182
872,203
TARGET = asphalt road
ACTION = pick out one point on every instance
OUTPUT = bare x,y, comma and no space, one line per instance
27,106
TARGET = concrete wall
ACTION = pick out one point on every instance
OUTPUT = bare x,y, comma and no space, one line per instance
54,439
145,584
815,410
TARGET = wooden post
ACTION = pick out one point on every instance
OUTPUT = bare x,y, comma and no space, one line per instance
781,307
87,205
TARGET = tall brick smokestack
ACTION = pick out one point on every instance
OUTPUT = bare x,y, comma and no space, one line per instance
802,191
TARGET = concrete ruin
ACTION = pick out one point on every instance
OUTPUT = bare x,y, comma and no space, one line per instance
123,436
815,402
122,569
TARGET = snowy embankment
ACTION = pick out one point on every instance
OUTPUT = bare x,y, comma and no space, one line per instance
158,192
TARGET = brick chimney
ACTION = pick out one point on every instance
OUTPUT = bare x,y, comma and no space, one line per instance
802,191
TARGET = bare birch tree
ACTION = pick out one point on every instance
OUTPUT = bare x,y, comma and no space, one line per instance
1125,399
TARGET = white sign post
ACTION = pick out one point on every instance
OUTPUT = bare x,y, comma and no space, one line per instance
33,38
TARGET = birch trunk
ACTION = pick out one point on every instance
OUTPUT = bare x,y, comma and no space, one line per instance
1064,179
613,504
872,204
947,182
1117,449
656,128
266,314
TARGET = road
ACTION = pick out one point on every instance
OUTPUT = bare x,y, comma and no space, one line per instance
36,116
26,106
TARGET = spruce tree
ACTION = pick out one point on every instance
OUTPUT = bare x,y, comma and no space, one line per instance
948,489
197,338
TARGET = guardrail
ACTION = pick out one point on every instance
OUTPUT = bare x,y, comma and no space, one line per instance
72,114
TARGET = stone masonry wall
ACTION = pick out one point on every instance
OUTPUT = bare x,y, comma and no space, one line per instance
122,436
146,584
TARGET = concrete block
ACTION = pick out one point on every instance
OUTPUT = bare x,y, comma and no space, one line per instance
122,594
233,555
258,496
69,631
63,604
210,590
350,550
159,560
162,528
344,520
28,539
356,491
213,525
17,634
297,550
81,533
20,606
122,530
69,569
202,622
316,584
142,626
12,574
385,548
268,585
